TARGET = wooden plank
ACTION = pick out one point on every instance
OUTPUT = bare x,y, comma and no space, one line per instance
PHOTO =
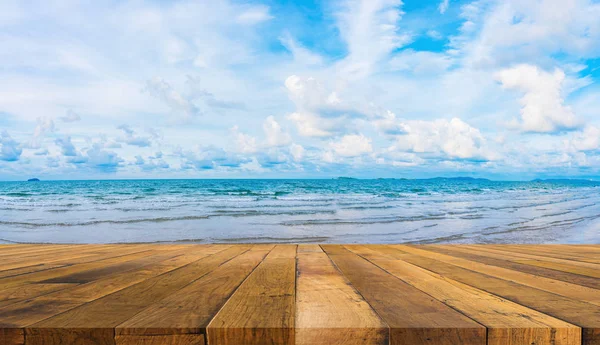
328,309
570,290
261,311
414,317
535,255
570,253
584,271
507,323
86,292
506,261
73,292
572,310
20,293
67,260
29,250
171,339
102,262
189,310
21,262
91,321
12,337
31,310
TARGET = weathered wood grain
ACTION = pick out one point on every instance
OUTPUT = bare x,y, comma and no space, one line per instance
261,311
188,294
572,310
328,309
189,310
91,320
507,261
414,317
507,323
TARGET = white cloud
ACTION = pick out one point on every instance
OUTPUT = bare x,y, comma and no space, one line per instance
99,159
184,108
275,136
352,145
422,62
443,6
44,125
301,54
351,73
543,109
132,138
587,140
254,15
67,147
511,31
319,112
244,142
434,34
10,150
297,152
71,116
453,139
209,158
370,29
310,125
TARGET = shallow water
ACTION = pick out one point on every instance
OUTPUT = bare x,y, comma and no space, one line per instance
299,211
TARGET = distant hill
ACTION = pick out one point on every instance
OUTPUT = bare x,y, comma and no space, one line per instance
564,180
460,178
33,180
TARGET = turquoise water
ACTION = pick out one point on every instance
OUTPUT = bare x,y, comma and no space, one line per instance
299,211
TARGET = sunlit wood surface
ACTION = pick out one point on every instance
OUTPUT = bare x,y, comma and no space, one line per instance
188,294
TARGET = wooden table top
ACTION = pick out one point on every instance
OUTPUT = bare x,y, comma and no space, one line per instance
191,294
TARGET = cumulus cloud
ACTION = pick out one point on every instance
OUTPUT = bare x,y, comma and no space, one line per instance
297,152
10,150
71,116
67,147
183,108
215,59
102,160
132,138
44,126
275,136
388,124
543,109
452,139
209,158
151,163
244,142
587,140
319,112
351,145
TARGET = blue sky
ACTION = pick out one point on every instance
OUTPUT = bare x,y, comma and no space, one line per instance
367,88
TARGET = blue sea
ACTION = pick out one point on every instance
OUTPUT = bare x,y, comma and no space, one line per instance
300,211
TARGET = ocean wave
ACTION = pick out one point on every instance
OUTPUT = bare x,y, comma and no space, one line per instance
106,221
275,206
368,207
271,239
249,213
380,220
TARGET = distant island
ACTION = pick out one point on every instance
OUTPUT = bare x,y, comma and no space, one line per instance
33,180
460,178
563,180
